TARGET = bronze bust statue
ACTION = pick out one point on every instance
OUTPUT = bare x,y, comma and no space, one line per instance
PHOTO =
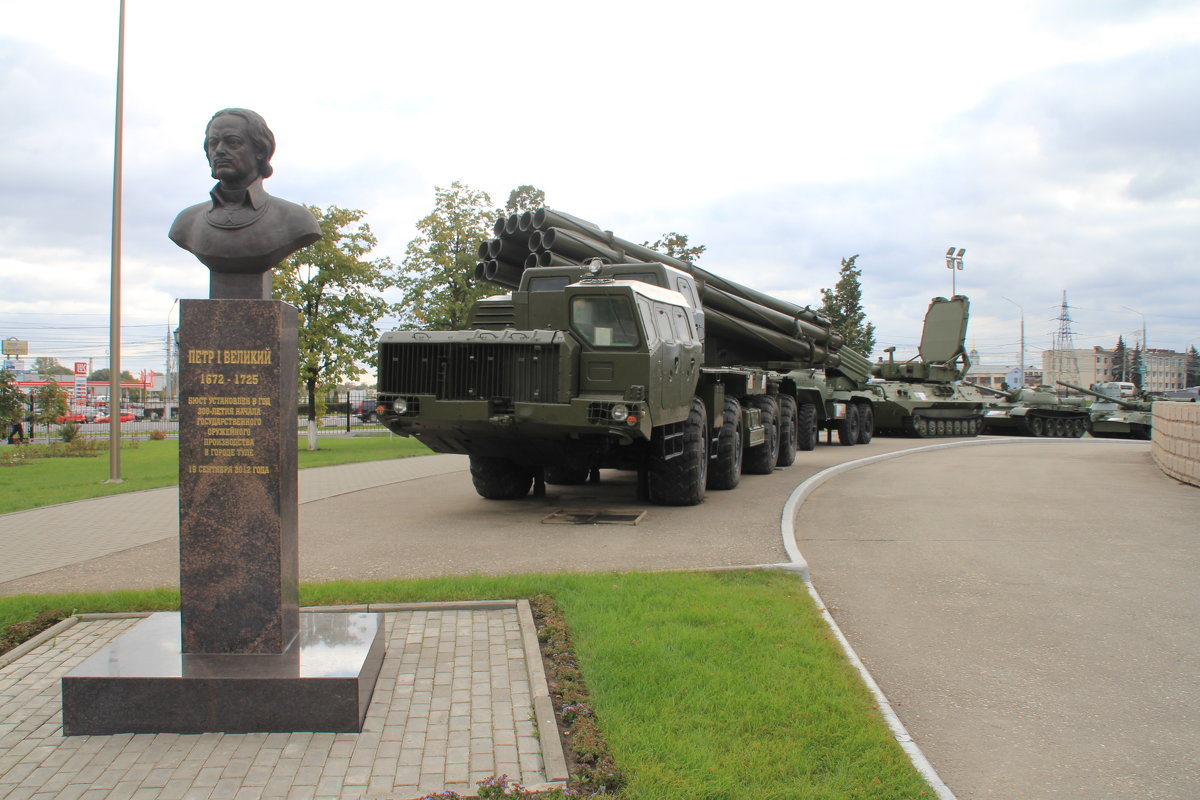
242,231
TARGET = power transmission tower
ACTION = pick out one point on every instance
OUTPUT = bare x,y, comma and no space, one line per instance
1064,360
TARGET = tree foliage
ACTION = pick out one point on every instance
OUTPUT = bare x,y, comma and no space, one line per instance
101,375
50,403
338,292
676,245
524,198
12,401
1193,367
843,306
50,366
1135,367
438,280
1120,370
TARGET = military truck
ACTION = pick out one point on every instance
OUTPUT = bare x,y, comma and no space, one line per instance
606,354
1035,411
923,396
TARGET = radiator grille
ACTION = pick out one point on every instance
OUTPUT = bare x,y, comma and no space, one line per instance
470,370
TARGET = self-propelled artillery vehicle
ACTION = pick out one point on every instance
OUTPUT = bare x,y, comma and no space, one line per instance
607,354
923,396
1029,411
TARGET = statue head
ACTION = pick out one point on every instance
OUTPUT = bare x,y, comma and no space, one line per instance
239,146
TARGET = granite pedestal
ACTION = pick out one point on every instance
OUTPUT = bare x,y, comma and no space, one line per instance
143,683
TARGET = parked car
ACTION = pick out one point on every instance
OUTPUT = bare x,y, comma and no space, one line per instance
81,416
365,410
126,416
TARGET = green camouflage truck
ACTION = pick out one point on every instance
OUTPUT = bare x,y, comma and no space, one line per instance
605,354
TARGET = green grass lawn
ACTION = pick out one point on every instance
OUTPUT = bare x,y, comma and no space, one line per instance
34,482
719,685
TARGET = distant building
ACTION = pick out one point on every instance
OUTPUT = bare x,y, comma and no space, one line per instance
1165,370
996,376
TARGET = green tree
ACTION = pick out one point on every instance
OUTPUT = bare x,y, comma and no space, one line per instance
524,198
50,403
338,292
843,306
50,366
438,280
1120,369
1193,367
676,245
1135,367
12,400
101,375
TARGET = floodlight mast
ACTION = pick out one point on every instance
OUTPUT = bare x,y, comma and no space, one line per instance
954,262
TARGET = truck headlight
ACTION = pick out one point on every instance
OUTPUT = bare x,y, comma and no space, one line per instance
619,412
400,405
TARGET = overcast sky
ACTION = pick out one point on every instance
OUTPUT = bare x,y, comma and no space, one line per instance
1058,142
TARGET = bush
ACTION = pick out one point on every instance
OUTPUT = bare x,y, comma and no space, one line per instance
158,436
68,432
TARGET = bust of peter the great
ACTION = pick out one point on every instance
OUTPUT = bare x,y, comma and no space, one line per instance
242,230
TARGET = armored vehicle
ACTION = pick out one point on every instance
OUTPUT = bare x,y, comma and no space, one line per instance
1117,418
923,396
1035,412
606,354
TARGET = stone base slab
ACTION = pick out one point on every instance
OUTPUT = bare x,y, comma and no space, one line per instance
142,682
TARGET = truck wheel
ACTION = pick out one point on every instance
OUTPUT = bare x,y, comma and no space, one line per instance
566,475
787,430
866,424
807,434
680,481
760,459
725,467
500,478
848,427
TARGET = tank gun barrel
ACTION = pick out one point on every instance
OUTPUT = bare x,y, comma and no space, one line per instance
1125,404
1000,392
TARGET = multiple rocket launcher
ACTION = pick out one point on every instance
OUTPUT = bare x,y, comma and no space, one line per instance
754,327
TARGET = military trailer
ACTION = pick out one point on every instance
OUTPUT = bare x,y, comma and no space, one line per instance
606,354
924,396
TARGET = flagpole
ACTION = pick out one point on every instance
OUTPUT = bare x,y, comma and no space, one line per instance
114,364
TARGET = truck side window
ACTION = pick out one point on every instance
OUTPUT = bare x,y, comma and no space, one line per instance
683,331
663,323
648,322
605,321
549,283
687,290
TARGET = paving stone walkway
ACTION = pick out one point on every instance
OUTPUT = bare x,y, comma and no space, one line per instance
454,704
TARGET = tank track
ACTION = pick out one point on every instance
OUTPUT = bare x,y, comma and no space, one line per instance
941,428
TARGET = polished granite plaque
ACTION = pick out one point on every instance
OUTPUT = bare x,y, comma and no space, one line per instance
142,682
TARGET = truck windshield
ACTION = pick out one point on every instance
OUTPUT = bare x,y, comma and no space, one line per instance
604,321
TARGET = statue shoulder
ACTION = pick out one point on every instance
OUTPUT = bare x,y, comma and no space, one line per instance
300,221
185,222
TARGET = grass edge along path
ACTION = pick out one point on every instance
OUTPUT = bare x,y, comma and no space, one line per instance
33,482
720,685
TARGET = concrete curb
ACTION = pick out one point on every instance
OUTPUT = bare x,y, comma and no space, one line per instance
800,566
29,644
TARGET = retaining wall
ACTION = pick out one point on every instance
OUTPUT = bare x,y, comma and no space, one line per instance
1176,442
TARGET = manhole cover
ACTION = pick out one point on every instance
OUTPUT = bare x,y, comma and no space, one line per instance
595,516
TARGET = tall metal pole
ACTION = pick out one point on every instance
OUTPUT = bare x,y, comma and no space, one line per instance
1018,305
114,364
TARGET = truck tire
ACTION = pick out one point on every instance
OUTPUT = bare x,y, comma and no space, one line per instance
760,459
848,427
787,430
680,481
566,475
866,423
500,478
725,467
807,432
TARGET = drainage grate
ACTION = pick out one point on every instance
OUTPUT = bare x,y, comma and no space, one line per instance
594,516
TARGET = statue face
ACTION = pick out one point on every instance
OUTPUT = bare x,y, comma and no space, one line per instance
231,154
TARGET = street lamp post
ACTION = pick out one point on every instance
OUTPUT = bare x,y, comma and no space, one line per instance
1018,305
954,263
167,393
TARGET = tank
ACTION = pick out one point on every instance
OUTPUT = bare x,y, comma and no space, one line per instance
1035,411
1117,418
925,396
